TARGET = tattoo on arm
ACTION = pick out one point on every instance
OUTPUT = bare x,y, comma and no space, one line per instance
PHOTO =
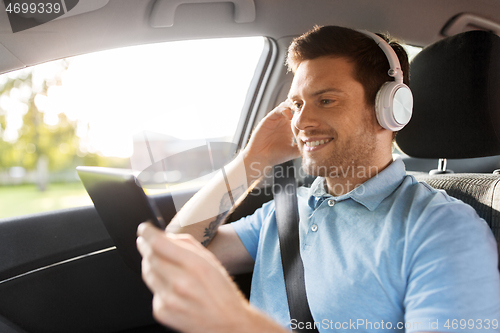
212,228
226,203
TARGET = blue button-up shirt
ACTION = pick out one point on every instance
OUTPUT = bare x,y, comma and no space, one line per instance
390,254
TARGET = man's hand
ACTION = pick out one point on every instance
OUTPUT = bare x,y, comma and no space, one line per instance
271,142
192,291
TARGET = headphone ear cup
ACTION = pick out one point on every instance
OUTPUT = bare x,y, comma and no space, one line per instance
393,105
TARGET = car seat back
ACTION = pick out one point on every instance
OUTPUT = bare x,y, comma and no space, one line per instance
455,84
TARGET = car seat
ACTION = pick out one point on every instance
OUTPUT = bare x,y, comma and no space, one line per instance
455,84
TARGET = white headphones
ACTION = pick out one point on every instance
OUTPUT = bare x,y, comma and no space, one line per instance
394,101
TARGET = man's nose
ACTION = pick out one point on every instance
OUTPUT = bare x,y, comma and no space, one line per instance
306,118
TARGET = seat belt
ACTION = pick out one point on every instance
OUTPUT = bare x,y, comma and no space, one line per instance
287,219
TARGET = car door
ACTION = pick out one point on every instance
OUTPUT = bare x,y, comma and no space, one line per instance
59,269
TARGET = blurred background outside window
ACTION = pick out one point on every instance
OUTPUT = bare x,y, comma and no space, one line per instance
124,108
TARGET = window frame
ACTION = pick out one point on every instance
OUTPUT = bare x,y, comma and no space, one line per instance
248,114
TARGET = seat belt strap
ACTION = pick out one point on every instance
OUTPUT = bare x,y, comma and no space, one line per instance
287,219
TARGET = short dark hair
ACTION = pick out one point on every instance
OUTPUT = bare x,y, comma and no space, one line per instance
370,62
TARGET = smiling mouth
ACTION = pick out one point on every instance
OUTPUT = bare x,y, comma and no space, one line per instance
316,143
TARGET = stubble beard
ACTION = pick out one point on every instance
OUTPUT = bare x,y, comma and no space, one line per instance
345,159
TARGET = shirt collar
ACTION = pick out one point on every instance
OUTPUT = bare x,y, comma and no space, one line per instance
372,192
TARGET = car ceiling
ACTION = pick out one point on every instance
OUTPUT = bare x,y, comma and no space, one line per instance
122,23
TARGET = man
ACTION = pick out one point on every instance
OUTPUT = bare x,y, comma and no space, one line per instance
379,248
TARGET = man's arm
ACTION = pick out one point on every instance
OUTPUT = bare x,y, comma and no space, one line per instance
452,269
206,211
192,291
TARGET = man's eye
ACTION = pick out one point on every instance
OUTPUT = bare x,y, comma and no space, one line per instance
326,101
297,107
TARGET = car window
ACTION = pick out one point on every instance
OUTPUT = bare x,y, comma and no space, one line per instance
411,50
126,108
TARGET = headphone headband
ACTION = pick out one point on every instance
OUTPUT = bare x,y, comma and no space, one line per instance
394,100
395,67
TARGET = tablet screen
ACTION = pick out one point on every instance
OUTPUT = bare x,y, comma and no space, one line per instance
122,205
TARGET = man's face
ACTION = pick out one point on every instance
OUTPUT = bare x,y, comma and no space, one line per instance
335,128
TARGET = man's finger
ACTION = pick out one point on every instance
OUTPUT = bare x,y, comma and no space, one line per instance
286,109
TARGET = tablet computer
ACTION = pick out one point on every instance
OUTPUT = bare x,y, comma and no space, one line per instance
122,205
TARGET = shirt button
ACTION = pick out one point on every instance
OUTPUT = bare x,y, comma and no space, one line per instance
331,202
314,227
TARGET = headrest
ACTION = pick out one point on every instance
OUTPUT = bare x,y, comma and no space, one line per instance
456,89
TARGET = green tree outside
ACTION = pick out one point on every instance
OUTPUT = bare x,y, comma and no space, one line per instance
39,146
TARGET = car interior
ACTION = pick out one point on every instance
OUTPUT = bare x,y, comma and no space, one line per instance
59,269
